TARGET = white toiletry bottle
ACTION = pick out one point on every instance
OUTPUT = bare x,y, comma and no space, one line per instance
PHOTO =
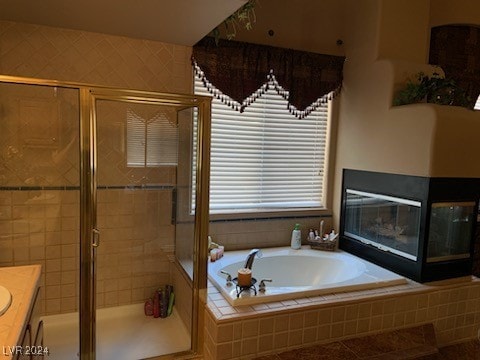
296,242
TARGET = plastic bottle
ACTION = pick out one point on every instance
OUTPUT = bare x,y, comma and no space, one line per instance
156,305
163,300
149,307
296,242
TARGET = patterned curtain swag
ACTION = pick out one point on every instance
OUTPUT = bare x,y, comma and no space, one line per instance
242,72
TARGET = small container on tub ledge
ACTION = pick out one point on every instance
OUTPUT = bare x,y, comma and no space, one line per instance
296,241
327,243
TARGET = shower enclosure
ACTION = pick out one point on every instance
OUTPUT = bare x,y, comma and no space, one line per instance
96,186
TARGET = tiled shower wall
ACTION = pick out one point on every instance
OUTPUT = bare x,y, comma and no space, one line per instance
137,247
39,221
42,227
79,56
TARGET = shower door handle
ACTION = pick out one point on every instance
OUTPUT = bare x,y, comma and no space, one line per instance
96,237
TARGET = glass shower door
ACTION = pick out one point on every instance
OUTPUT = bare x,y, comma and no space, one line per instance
90,190
137,314
40,201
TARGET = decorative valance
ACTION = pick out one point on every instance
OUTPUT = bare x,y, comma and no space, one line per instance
245,71
456,49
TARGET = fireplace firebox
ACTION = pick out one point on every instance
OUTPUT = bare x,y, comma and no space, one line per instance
420,227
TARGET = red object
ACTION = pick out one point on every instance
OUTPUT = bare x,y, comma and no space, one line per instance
156,305
149,307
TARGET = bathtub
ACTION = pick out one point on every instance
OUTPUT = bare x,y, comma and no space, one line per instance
298,273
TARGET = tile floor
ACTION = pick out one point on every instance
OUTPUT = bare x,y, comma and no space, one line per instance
413,343
409,343
465,351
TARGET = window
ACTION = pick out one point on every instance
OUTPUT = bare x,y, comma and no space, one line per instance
265,158
477,104
150,142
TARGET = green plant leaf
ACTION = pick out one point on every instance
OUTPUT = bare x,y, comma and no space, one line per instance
244,17
433,89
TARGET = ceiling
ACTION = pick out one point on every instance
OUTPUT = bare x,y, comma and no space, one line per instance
182,22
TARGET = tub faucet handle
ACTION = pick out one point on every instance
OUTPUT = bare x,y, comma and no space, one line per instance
262,287
229,277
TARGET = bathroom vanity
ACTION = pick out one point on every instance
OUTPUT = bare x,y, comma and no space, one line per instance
17,327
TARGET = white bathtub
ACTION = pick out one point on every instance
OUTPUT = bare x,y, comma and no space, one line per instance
299,273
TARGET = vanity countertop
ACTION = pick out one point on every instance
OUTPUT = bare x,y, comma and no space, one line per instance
22,282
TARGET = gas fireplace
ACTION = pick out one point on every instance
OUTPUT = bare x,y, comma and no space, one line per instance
420,227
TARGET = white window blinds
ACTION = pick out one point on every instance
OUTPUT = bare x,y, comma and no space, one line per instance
477,104
266,158
150,142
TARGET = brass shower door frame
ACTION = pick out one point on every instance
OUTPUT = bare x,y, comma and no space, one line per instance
88,95
202,168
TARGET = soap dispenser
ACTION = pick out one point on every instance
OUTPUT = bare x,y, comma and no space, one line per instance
296,242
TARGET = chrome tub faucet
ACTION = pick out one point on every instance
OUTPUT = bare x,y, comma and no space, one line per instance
251,257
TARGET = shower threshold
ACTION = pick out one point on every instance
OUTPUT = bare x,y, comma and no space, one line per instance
123,332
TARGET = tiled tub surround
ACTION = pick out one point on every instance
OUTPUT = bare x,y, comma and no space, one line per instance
453,306
183,295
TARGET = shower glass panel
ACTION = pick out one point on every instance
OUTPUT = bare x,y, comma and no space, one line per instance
185,216
185,211
39,201
78,161
138,156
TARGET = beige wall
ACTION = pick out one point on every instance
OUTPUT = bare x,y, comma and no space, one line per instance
403,30
419,139
443,12
455,142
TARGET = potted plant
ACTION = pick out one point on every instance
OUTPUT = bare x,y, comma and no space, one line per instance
434,89
242,18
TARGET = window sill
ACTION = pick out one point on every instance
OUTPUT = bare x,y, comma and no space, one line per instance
271,214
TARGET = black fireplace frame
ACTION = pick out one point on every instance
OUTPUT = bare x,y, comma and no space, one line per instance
426,190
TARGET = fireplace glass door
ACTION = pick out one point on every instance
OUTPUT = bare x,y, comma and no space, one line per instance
388,223
450,231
